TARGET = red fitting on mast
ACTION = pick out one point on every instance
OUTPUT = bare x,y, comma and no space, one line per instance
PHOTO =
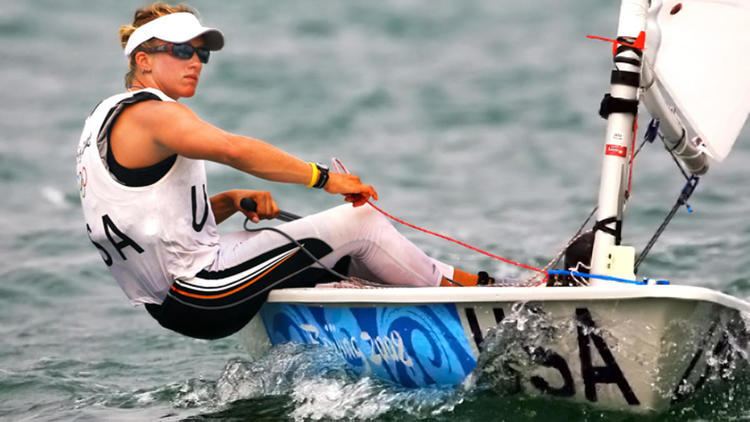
639,43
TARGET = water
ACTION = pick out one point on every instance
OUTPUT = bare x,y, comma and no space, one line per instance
475,118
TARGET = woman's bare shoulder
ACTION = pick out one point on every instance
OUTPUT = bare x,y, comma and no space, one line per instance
155,109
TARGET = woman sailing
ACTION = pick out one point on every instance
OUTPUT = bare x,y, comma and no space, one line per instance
145,198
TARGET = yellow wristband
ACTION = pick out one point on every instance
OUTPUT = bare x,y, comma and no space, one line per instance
315,175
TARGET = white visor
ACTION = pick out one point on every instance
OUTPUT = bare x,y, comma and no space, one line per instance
175,28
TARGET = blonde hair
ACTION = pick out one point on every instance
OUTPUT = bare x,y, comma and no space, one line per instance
143,16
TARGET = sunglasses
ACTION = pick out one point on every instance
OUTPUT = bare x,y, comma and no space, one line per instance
182,51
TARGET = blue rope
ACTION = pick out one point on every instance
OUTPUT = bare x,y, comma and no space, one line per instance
605,277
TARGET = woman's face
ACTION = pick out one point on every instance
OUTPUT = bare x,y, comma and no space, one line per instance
178,78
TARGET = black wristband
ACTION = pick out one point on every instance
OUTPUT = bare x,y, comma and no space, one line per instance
322,176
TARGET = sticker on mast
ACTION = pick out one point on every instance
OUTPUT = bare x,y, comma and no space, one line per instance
616,150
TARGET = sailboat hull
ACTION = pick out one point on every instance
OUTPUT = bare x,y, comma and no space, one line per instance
634,348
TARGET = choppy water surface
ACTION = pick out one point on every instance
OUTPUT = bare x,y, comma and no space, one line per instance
475,118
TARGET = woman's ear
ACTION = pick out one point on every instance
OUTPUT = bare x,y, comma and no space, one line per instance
143,61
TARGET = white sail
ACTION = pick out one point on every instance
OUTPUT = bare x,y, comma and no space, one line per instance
700,53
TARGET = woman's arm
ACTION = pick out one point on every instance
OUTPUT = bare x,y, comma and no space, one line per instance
176,129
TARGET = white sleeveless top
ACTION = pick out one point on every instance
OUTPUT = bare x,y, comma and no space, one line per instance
148,236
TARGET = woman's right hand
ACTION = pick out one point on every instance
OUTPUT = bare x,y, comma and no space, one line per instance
351,187
266,207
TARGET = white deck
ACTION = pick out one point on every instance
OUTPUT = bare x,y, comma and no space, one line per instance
421,295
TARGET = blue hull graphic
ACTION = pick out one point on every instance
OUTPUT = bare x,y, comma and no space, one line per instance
412,346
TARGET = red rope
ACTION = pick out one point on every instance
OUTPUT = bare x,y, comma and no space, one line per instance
458,242
632,155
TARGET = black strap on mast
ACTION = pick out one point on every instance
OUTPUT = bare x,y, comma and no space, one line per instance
614,232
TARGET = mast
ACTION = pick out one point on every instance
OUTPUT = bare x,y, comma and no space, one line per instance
619,107
690,77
